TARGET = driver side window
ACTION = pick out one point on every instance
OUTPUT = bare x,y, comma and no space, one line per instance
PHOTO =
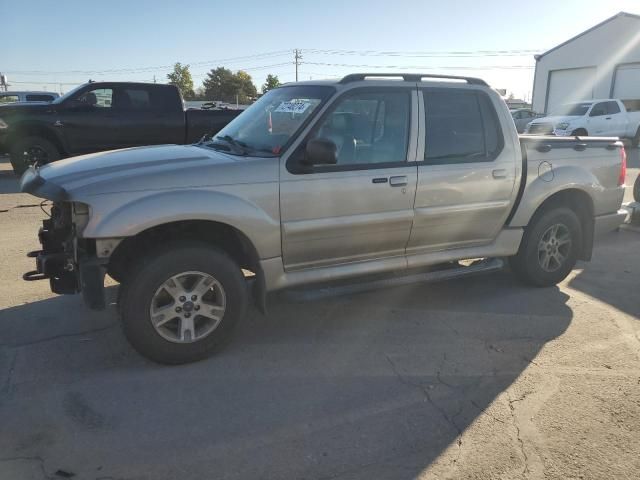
98,98
598,110
369,127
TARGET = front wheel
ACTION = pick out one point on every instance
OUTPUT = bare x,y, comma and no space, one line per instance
549,249
32,150
180,303
636,189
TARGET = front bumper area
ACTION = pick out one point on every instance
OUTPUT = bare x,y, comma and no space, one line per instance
69,269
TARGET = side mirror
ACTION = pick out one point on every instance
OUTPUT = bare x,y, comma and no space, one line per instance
321,151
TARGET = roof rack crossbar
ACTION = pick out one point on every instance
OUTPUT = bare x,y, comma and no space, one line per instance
410,77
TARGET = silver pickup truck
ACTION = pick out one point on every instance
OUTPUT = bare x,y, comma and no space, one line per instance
316,182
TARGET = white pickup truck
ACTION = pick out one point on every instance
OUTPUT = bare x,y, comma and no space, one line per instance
594,118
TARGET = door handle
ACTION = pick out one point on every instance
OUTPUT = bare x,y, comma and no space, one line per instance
380,180
499,173
607,118
399,181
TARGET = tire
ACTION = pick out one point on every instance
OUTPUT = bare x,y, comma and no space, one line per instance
26,151
635,141
579,132
636,189
528,263
145,288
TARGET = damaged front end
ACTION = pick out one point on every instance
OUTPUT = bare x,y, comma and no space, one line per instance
68,261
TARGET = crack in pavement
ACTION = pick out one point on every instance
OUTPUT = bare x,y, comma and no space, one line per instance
7,384
56,337
35,458
525,457
443,413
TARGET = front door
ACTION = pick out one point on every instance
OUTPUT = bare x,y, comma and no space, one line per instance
466,173
362,207
599,123
89,122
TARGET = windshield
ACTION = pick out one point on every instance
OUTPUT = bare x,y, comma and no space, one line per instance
67,95
266,127
572,109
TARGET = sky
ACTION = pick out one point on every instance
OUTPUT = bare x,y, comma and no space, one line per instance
55,46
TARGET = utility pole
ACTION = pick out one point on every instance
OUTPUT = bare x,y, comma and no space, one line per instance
297,56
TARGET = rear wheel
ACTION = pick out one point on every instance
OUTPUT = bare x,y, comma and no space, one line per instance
636,189
31,150
549,248
579,132
181,303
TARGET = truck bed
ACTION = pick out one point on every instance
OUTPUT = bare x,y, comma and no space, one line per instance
200,122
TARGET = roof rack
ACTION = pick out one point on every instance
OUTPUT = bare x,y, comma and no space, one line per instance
411,77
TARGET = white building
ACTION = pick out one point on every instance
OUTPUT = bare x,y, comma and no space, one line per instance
602,62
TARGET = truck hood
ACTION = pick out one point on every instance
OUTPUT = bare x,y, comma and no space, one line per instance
135,169
555,119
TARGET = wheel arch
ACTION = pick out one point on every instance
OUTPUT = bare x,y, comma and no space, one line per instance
226,237
23,130
581,203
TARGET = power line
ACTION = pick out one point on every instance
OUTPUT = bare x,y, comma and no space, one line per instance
427,54
448,67
154,68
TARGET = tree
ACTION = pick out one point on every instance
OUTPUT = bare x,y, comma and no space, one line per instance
272,82
247,91
181,78
222,84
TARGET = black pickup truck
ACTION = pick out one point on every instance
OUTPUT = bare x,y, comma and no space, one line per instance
102,116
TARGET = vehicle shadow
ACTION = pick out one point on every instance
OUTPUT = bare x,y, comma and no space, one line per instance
613,275
374,385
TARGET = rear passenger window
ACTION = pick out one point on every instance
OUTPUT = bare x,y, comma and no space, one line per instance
613,108
136,99
461,127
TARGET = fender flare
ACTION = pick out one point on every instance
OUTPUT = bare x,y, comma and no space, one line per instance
540,190
143,213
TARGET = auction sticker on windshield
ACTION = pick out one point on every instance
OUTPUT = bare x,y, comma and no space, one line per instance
293,106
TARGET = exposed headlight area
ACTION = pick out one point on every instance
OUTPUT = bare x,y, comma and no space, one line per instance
81,213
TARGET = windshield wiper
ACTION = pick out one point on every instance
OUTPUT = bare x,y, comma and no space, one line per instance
240,148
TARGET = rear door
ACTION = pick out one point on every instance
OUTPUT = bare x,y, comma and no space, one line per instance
466,171
361,208
149,115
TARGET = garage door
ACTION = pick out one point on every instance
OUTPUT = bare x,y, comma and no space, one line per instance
627,82
571,85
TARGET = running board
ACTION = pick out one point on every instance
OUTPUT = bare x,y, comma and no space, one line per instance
478,267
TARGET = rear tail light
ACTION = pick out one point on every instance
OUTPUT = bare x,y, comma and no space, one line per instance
623,167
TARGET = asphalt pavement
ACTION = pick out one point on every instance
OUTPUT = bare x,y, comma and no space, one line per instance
477,378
